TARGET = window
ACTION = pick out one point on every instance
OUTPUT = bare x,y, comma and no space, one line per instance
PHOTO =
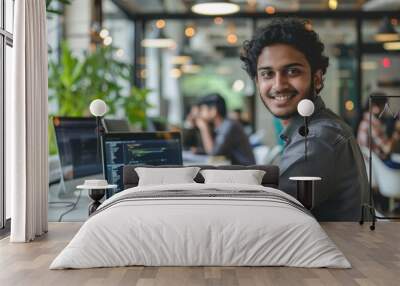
9,15
6,43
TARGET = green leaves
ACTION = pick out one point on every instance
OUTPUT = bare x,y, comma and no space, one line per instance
135,106
75,81
67,84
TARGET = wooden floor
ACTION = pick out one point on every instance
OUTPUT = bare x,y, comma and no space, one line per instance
375,257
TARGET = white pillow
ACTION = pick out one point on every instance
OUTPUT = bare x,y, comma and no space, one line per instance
163,176
248,177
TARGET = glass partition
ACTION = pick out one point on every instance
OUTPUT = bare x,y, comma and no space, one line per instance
380,69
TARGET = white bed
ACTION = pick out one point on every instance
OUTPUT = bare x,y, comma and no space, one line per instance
246,225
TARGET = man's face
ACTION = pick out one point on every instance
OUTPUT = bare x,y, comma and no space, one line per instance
284,78
207,113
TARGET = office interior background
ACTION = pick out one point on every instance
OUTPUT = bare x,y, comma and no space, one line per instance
103,49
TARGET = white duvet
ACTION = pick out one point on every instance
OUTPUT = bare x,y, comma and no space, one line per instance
200,231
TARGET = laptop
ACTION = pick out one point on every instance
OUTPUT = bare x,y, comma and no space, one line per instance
77,146
138,148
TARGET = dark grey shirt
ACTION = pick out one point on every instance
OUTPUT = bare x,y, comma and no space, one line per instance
231,141
333,155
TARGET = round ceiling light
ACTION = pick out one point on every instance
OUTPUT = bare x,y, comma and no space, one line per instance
215,8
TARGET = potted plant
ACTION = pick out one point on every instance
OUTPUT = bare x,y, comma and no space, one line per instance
75,81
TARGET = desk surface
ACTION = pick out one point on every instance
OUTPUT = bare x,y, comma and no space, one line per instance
374,255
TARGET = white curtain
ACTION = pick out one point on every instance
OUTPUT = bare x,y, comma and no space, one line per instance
26,123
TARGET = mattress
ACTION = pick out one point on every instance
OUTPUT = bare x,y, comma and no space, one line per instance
201,225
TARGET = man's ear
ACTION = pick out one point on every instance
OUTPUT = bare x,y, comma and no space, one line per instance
317,80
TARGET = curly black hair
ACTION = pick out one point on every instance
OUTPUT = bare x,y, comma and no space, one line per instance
291,31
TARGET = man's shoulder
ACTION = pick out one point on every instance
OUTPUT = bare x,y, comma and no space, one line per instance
230,125
329,127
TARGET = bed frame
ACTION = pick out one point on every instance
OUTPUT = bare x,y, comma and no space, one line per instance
270,179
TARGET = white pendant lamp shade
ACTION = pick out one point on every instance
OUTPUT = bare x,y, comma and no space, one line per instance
98,107
215,8
305,107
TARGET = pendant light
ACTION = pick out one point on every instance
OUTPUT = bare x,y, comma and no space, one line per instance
210,7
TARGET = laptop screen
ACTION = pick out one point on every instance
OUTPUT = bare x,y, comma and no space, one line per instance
144,148
77,146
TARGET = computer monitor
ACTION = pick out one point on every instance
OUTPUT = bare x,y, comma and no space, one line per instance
77,146
144,148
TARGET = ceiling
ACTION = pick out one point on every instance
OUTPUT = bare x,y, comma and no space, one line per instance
211,39
137,7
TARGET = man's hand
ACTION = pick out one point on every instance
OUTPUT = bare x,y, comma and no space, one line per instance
201,124
205,133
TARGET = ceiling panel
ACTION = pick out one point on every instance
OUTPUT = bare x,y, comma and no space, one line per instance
183,6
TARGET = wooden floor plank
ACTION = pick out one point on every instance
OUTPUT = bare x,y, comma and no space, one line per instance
374,255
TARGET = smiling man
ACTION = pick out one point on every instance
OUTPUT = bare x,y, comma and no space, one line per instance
287,63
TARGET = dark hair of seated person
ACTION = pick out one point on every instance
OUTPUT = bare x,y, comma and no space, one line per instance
214,100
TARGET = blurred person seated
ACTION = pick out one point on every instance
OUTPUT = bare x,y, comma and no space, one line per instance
382,143
228,138
191,137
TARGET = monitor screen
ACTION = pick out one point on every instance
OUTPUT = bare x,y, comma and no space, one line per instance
115,125
145,148
77,146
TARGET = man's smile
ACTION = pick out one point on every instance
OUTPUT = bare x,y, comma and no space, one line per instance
282,97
